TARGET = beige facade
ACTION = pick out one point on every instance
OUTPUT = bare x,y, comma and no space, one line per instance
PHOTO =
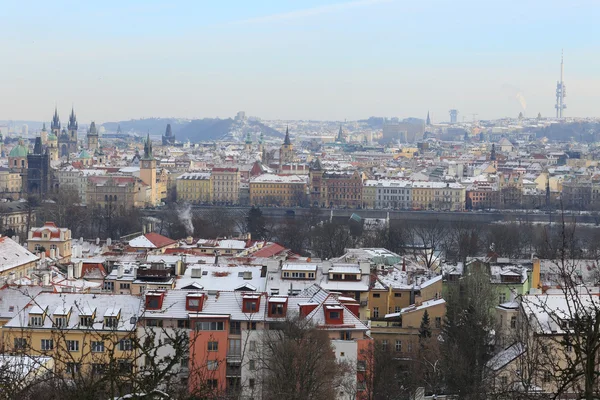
194,187
11,183
50,237
225,185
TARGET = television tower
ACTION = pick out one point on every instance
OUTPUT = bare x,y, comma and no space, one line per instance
561,91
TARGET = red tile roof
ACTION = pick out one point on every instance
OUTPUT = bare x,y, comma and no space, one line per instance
89,268
269,250
159,240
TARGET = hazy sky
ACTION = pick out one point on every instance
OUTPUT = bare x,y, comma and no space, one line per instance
296,59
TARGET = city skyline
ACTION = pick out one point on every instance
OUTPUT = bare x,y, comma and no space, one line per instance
319,60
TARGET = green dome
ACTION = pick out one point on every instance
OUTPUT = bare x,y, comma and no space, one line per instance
84,154
52,137
18,151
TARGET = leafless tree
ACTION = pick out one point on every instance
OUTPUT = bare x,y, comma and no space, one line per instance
427,239
298,362
573,346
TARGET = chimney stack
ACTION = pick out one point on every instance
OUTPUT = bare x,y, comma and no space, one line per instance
70,272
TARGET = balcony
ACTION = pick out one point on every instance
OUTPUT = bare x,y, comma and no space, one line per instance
233,371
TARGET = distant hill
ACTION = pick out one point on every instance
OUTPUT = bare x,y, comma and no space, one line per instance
578,131
156,126
197,130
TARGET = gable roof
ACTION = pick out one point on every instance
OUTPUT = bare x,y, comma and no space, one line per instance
151,240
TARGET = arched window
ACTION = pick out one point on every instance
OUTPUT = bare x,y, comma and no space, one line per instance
105,197
22,163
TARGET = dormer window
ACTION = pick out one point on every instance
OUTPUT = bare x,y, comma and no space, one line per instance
61,317
250,304
111,322
111,317
36,320
277,307
334,314
86,321
193,302
154,300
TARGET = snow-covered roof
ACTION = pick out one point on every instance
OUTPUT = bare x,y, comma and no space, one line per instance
504,357
105,304
13,255
223,278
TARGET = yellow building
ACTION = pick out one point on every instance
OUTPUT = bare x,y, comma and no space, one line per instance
11,183
225,184
399,332
369,194
282,190
406,152
84,333
443,196
194,187
50,237
15,260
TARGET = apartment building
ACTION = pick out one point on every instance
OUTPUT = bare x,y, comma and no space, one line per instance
281,190
225,183
194,187
84,333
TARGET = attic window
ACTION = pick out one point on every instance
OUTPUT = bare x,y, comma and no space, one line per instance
111,322
60,322
194,303
276,309
154,301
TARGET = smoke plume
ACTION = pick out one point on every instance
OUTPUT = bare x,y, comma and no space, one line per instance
184,213
522,101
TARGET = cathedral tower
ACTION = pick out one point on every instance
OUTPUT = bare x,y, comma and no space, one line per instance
92,138
148,170
286,152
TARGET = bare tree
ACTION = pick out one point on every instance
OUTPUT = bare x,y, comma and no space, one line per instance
298,362
427,239
569,334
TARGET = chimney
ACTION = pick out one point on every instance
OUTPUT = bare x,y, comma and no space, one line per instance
70,272
81,240
143,229
217,257
17,239
78,269
149,227
97,241
189,240
57,252
109,242
46,279
52,253
120,270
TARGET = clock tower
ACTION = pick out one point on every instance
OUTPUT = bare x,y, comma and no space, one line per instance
148,170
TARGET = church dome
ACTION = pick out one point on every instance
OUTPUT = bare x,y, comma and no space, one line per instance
19,151
52,137
84,154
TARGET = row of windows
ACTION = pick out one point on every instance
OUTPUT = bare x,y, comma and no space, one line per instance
72,345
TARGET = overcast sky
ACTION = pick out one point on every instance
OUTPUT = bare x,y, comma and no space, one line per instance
281,59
